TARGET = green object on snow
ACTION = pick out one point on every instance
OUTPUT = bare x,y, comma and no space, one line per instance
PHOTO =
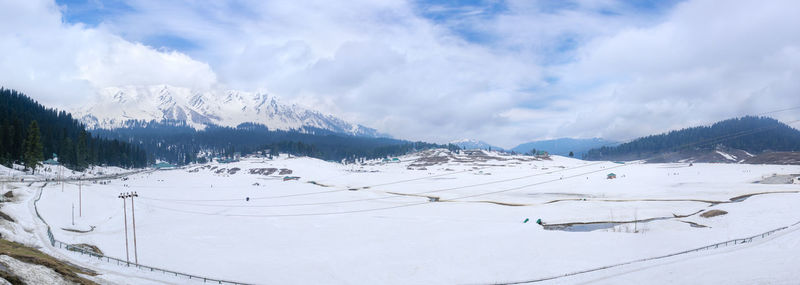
539,221
526,220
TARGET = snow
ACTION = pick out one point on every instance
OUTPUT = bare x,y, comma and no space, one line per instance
116,106
197,219
726,156
32,273
772,261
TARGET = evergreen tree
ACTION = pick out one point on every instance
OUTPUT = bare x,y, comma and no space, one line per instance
571,154
81,154
59,134
752,134
34,151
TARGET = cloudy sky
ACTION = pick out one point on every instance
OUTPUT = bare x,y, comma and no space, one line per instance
504,72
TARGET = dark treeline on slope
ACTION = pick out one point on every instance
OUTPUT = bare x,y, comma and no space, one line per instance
751,134
178,143
58,134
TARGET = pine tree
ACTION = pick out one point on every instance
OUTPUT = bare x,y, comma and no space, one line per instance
81,152
34,151
571,154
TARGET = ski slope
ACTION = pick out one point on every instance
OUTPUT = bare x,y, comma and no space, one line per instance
374,223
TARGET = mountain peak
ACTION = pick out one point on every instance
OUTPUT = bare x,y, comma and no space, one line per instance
115,107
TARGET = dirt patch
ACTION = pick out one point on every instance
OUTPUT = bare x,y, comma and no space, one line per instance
695,225
318,184
85,247
270,171
34,256
744,197
263,171
430,161
9,194
6,217
713,213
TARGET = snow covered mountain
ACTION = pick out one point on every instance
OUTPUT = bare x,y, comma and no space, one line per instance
118,107
474,144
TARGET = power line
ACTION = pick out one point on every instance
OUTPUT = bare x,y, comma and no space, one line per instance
720,138
778,111
306,194
618,166
394,196
428,202
291,215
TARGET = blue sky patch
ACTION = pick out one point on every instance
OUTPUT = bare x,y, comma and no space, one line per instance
91,12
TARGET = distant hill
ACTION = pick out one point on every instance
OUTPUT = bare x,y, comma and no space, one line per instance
733,140
563,146
474,144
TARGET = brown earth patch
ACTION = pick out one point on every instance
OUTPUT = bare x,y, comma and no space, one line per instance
6,217
33,256
713,213
87,247
263,171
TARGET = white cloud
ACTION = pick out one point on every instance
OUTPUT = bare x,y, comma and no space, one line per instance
118,62
704,63
64,64
584,69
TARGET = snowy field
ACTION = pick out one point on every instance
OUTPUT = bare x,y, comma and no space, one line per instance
433,218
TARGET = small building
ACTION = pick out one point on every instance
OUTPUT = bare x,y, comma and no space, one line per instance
611,176
393,160
227,160
164,165
52,161
542,154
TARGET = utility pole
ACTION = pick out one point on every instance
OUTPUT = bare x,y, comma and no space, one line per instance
80,204
133,216
73,214
123,196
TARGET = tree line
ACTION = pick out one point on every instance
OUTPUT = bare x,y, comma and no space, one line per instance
178,143
750,133
31,133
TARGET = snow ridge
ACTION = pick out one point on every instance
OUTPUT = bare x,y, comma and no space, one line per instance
116,107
